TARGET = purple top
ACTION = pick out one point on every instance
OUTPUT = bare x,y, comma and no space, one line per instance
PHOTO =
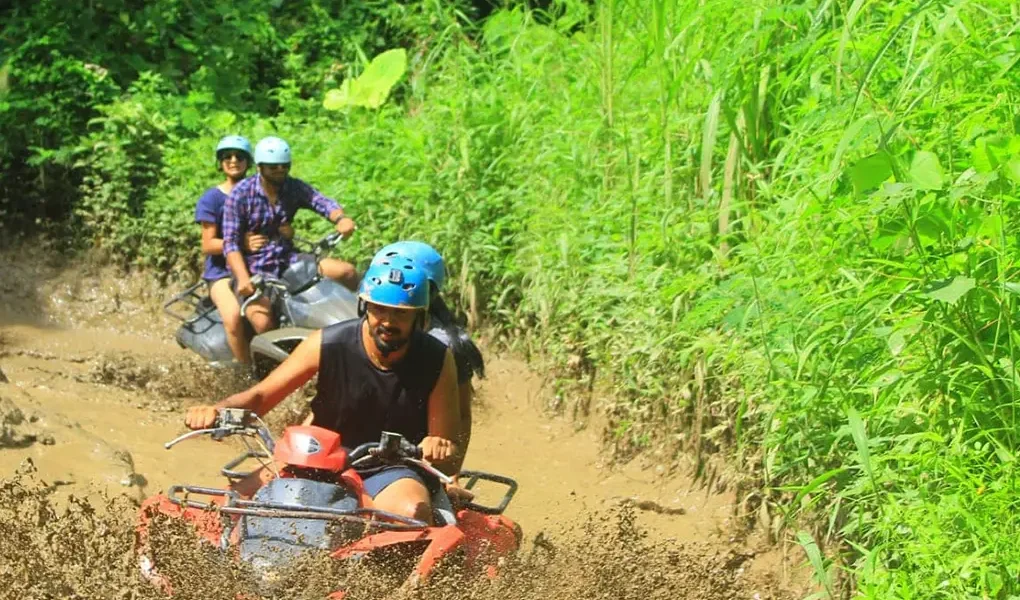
248,209
210,210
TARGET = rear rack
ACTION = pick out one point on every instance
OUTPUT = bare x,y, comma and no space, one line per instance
474,477
235,505
192,299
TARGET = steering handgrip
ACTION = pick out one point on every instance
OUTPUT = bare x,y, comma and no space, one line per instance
411,451
331,240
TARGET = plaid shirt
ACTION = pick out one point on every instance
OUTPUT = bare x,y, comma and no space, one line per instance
247,209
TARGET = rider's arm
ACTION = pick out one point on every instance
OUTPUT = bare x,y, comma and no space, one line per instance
208,214
235,262
295,371
234,215
444,414
464,393
314,199
211,244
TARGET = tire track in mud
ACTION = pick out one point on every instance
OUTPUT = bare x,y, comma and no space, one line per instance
91,397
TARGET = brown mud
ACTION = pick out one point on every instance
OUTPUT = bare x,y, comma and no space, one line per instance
92,384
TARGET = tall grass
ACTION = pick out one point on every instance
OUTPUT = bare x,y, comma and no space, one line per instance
779,232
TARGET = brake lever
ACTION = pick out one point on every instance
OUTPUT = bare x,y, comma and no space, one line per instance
428,468
248,301
422,464
191,434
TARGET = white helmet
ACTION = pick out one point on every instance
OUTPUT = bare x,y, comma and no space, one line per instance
273,151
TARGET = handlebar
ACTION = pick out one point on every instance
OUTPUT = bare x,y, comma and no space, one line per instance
392,448
327,243
323,245
260,282
230,421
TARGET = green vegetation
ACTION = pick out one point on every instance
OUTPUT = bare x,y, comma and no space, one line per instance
779,232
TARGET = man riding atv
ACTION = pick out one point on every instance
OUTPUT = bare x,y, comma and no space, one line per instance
381,372
441,323
265,204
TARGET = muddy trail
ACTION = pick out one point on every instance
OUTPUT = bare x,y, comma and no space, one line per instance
92,383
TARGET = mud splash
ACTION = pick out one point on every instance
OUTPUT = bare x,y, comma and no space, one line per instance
96,384
84,550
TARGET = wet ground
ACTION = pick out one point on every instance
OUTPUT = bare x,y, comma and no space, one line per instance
92,384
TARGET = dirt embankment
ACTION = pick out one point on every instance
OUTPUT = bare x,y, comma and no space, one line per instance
91,384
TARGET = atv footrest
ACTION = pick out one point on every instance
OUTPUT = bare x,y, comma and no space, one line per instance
474,477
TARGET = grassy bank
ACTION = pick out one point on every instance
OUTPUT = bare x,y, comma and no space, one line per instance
778,231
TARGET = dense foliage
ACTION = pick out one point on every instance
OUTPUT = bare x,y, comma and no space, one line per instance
777,231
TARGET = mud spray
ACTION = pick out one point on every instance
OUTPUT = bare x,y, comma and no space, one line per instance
91,385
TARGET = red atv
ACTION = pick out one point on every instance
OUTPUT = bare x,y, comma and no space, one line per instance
316,503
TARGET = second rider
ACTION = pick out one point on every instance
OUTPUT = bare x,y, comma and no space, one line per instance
265,204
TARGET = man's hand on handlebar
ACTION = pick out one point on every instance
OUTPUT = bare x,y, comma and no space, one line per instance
201,417
245,287
435,449
345,227
459,495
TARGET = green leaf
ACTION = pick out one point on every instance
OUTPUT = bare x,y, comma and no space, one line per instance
896,341
5,78
337,99
816,483
889,232
373,86
869,172
925,171
861,441
991,228
814,555
949,290
989,153
186,44
1013,170
1012,287
932,226
1002,452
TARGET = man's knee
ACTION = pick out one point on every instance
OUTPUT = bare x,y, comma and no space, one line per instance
261,322
260,316
345,270
421,511
340,271
415,509
408,498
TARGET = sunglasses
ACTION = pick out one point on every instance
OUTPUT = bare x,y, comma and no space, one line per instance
275,165
231,154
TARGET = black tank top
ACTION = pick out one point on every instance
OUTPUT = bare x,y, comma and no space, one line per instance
360,401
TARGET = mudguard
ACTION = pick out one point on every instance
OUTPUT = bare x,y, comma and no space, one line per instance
274,542
323,304
277,344
203,334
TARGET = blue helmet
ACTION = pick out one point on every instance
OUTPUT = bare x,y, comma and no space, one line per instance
421,254
400,284
272,150
233,142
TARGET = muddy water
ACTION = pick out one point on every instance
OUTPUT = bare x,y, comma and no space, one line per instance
95,384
